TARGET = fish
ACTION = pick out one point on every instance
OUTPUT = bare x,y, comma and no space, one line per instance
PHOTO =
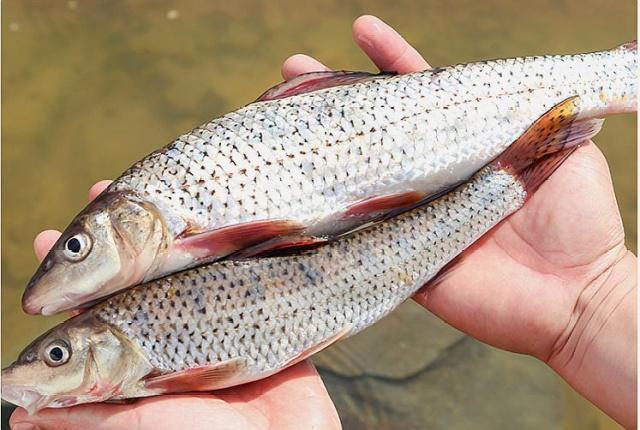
232,322
314,159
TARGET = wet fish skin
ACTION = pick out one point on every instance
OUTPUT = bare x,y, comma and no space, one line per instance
233,322
304,161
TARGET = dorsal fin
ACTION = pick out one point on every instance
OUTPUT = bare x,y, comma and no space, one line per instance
314,81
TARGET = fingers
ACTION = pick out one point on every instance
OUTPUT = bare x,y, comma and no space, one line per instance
97,188
298,64
382,44
386,48
44,241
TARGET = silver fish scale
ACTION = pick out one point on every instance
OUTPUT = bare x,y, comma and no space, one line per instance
268,311
309,156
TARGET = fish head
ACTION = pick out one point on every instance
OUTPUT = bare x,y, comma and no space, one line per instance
81,360
111,245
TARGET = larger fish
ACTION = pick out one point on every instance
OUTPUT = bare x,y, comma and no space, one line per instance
315,158
233,322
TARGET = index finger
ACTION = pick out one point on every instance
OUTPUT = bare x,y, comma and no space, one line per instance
386,48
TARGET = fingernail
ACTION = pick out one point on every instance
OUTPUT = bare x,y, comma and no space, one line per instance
378,25
364,39
24,426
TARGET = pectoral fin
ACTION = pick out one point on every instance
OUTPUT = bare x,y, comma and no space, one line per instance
216,244
205,378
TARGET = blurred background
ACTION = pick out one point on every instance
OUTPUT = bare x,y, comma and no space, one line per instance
89,87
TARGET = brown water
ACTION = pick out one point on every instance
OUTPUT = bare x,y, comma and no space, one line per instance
91,86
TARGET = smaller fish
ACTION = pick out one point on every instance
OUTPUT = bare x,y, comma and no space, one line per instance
233,322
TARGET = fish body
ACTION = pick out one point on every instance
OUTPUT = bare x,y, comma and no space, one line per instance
301,167
232,322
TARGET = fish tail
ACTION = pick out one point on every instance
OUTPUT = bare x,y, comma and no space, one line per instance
547,143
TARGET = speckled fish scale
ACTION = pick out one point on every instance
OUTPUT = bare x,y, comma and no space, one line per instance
269,311
309,156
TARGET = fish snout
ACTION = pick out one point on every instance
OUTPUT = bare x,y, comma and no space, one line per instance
41,285
16,393
30,302
20,396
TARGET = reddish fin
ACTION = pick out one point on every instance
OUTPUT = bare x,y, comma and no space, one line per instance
203,378
556,130
630,46
319,347
533,176
314,81
280,246
378,205
357,216
377,209
227,240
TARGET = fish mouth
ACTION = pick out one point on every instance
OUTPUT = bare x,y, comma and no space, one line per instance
25,397
30,304
36,304
33,304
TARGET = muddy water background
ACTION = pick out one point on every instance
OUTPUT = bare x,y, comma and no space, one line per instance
91,86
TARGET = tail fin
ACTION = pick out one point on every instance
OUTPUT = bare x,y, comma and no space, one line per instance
547,143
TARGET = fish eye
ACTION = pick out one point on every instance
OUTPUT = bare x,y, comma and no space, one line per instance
77,247
57,353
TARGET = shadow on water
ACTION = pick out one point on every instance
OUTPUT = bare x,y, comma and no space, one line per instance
90,87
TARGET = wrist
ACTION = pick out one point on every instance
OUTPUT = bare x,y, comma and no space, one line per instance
597,352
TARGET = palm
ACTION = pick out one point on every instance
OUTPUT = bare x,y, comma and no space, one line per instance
542,256
292,399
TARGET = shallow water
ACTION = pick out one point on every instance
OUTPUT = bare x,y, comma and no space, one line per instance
91,86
